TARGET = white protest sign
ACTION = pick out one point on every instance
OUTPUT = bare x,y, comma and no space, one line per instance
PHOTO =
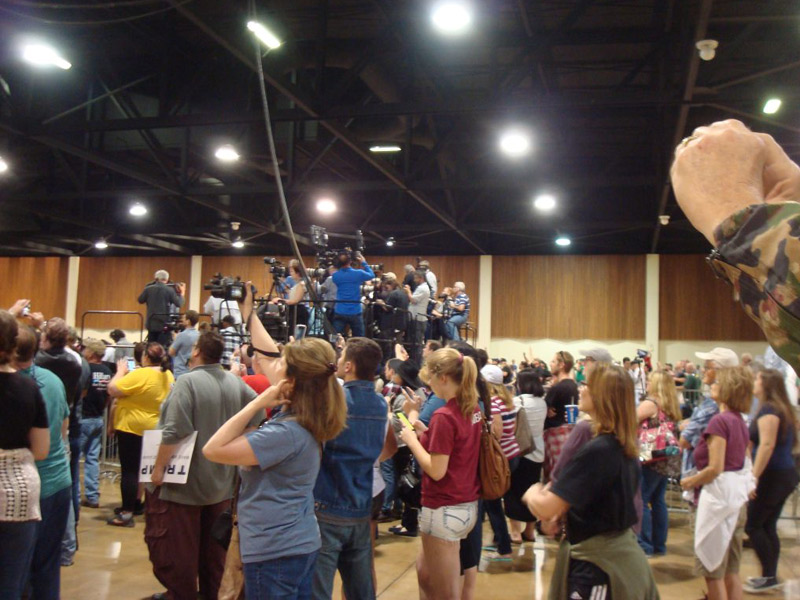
177,466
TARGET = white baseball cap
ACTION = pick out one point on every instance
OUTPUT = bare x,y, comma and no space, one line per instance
492,374
724,357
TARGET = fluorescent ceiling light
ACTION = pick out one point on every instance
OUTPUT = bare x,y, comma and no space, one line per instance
386,148
772,106
326,206
545,202
452,18
44,56
515,143
238,243
101,244
563,241
227,153
265,35
3,165
138,209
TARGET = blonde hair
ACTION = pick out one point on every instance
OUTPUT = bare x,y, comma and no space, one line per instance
317,400
735,388
662,386
501,391
96,347
614,407
462,370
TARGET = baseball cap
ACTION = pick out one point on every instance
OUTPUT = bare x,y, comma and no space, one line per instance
724,357
598,354
492,374
389,276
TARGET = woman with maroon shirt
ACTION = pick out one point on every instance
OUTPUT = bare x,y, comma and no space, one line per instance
450,484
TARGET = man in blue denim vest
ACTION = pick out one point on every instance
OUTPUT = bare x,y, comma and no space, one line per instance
343,492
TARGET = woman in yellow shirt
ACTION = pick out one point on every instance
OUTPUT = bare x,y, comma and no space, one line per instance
138,395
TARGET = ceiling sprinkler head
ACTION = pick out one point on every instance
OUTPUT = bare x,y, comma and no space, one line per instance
707,49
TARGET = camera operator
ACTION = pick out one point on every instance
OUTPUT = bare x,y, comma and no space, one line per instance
329,292
460,306
418,306
392,313
348,281
219,307
158,296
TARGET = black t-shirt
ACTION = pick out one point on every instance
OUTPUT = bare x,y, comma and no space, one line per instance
23,409
599,483
563,393
96,395
390,319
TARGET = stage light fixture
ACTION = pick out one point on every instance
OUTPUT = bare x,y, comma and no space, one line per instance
265,35
42,55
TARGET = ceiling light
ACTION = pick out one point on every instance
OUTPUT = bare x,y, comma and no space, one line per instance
452,18
387,148
515,143
326,206
138,209
265,35
772,106
3,165
563,241
238,243
545,202
42,55
390,241
101,244
227,153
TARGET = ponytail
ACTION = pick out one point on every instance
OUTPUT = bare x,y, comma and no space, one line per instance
468,394
462,370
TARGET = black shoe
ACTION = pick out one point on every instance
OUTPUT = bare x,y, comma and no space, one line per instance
386,517
138,509
757,585
400,530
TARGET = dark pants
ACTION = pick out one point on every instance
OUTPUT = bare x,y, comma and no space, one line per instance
181,547
356,323
524,476
75,471
497,518
17,540
159,335
46,566
287,578
587,581
774,487
130,454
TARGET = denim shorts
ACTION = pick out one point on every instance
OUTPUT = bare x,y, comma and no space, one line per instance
450,523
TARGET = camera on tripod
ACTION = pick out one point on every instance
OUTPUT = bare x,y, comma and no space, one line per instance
227,288
174,323
276,267
332,257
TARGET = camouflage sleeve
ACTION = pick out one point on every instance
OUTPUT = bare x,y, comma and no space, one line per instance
758,252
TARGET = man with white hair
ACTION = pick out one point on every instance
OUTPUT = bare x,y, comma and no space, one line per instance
158,296
460,314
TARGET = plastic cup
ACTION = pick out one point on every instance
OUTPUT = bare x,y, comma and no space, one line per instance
572,413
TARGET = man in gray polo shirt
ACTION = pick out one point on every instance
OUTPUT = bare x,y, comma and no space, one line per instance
179,517
181,348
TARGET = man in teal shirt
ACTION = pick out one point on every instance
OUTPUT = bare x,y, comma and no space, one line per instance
56,492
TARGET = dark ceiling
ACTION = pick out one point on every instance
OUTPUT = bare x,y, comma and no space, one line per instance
605,87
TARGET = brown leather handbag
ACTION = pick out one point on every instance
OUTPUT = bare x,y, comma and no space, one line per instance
495,474
231,587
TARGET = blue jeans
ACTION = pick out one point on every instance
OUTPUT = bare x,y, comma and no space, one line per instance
91,433
655,520
356,323
287,577
497,518
69,543
452,325
347,548
387,470
46,566
16,551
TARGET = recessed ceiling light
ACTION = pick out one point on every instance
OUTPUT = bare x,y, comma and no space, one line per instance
44,56
138,209
265,35
3,165
772,106
385,148
227,153
545,202
101,244
515,143
390,241
238,243
452,18
563,241
326,206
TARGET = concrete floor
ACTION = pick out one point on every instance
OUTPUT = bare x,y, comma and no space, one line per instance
112,562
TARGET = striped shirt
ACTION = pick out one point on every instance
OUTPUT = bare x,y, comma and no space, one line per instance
509,417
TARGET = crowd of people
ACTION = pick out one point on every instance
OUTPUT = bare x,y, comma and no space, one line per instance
315,441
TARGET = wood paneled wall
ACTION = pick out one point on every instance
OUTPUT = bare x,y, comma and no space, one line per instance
43,280
568,297
695,305
114,283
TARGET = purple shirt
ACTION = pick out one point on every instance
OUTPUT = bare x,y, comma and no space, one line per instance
730,426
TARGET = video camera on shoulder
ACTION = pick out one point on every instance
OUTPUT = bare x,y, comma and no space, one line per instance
227,288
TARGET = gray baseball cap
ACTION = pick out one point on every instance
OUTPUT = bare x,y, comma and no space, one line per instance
598,354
